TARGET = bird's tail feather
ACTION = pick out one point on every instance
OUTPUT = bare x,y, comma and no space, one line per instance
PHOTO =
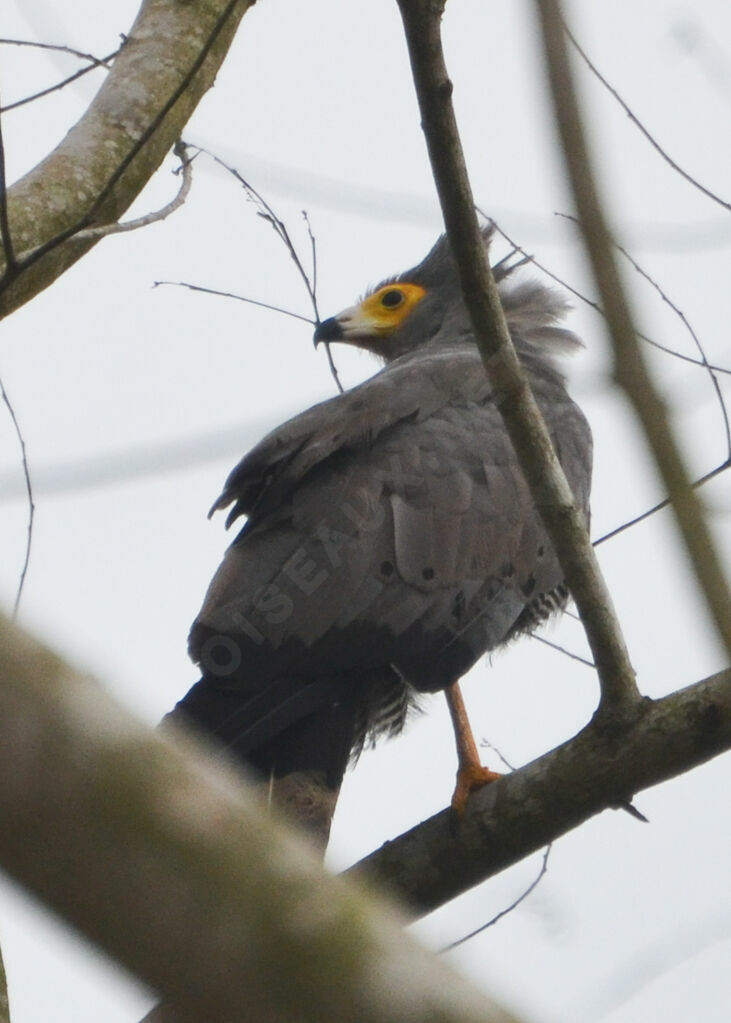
248,725
297,735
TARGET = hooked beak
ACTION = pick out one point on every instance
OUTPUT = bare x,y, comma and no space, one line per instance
351,326
329,330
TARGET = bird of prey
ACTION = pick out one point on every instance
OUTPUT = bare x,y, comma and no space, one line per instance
390,540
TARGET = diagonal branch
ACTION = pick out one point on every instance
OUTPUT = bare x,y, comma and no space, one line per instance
58,86
639,125
522,418
162,857
5,398
630,369
535,805
186,180
169,61
159,853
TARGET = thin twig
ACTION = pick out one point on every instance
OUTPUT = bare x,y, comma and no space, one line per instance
638,124
239,298
509,909
186,171
487,744
595,305
313,251
562,650
102,230
656,344
102,62
29,491
333,368
57,49
696,340
703,361
662,504
266,212
630,369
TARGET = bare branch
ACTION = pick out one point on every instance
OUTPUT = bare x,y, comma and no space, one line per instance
280,228
638,123
31,504
597,770
696,341
508,909
239,298
56,48
562,650
595,305
102,62
522,418
186,172
703,361
630,369
267,213
662,504
333,368
109,160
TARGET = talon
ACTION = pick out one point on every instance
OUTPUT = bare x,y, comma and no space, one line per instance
470,778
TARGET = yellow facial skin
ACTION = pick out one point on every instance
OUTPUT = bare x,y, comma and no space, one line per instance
378,316
386,309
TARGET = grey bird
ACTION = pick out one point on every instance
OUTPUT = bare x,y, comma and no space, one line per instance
390,540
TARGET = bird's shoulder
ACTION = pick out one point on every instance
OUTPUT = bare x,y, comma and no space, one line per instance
408,391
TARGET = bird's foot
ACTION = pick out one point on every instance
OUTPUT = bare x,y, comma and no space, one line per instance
470,777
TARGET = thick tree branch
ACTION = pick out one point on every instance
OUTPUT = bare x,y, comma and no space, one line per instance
597,770
166,861
630,369
157,851
169,61
522,417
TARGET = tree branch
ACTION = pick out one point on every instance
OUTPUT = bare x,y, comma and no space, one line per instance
156,850
186,180
630,369
521,415
524,811
169,61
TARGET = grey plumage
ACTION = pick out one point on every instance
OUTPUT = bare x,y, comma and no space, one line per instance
391,539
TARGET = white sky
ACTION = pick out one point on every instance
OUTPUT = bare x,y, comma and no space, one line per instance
316,107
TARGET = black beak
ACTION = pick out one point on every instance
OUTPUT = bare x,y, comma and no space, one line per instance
328,330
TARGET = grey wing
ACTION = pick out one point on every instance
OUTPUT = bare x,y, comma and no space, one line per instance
401,392
420,550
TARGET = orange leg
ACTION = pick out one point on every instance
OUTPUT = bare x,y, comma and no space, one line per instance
471,775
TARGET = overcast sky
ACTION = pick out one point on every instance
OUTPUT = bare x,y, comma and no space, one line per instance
135,402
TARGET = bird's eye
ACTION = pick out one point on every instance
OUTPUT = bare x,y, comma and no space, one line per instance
392,299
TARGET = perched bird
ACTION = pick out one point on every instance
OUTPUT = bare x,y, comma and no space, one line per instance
390,540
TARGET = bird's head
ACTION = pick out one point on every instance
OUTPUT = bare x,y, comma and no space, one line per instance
424,307
405,312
